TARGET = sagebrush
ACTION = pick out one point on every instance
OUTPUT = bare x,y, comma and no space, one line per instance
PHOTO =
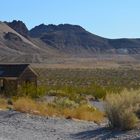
122,109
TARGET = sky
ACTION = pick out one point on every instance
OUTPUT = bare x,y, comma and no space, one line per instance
106,18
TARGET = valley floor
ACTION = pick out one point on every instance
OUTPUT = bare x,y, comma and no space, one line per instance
20,126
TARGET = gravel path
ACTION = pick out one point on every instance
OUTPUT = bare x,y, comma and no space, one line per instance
20,126
100,105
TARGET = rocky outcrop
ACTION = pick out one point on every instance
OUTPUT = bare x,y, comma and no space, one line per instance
19,27
12,37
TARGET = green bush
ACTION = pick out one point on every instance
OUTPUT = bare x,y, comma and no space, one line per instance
121,109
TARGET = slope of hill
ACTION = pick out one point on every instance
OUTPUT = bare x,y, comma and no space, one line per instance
75,39
70,39
56,43
16,48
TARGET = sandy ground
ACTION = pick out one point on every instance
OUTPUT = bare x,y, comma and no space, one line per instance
20,126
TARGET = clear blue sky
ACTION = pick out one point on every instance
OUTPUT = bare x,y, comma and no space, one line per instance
107,18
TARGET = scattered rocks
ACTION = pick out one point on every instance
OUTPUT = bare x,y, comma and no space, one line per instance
15,125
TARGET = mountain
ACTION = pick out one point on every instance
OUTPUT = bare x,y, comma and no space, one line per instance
69,38
72,37
47,43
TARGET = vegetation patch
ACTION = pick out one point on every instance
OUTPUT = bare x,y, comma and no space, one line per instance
77,83
73,89
123,109
3,103
63,108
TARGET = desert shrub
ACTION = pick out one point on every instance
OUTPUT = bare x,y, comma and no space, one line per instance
65,103
3,103
121,109
87,112
25,105
66,91
97,91
28,105
31,90
57,92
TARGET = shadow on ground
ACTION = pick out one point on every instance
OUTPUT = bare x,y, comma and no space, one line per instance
100,133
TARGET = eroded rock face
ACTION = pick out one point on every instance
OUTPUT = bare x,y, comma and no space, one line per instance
19,27
12,37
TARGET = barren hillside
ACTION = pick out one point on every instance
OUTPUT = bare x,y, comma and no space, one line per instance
63,44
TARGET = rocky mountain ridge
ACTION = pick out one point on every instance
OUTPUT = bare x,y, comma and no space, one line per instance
64,40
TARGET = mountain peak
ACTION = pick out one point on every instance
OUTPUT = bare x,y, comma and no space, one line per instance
19,27
42,29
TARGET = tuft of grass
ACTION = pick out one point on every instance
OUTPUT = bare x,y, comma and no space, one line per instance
25,105
121,109
85,112
3,103
28,105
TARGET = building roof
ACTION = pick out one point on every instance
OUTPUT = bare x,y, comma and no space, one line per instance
12,70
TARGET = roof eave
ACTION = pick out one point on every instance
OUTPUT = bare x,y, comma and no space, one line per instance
9,78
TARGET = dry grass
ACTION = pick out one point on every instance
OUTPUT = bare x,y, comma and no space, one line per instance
83,112
27,105
122,109
3,104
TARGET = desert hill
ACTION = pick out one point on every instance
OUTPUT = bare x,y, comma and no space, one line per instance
50,43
